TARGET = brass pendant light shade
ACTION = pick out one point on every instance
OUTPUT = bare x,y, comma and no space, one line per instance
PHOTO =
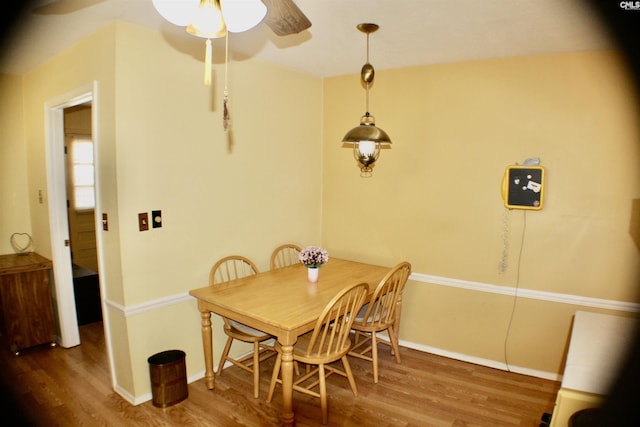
367,139
367,131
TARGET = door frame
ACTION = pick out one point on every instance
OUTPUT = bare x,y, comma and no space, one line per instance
58,218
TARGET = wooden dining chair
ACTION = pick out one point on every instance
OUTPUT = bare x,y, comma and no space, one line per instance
231,268
285,255
328,342
379,314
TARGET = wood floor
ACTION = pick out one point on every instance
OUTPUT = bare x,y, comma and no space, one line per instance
71,387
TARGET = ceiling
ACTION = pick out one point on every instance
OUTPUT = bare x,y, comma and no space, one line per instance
412,32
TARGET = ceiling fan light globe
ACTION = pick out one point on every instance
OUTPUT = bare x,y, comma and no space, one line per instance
242,15
178,12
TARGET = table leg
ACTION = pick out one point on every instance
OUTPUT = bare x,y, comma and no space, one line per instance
286,372
207,345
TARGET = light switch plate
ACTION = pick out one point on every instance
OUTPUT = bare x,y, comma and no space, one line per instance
143,221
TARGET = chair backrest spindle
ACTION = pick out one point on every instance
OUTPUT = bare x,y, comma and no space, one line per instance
285,255
231,268
334,324
382,308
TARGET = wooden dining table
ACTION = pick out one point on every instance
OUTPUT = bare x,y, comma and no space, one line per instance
280,302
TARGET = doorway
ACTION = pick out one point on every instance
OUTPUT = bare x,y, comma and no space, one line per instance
57,201
58,219
80,190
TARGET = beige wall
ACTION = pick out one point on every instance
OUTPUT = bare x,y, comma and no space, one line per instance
14,194
244,192
281,175
434,198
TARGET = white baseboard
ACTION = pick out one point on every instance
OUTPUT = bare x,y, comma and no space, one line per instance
137,400
427,349
481,361
437,351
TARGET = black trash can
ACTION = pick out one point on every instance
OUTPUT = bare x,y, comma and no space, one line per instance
168,374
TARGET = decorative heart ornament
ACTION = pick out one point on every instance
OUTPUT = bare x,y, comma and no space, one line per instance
21,242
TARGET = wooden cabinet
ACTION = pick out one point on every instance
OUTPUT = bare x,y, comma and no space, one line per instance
25,300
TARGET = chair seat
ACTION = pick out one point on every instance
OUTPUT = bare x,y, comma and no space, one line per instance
360,317
300,351
247,332
370,324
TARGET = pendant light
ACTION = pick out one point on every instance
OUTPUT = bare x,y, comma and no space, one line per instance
366,139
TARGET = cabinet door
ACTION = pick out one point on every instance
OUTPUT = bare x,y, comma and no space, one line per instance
27,309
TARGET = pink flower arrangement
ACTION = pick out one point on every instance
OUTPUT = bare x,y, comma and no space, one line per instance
313,256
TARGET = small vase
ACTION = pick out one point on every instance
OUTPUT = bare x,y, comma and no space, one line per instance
312,274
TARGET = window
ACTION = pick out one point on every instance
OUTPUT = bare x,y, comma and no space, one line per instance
83,173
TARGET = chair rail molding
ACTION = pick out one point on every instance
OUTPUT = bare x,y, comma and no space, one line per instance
631,307
150,305
527,293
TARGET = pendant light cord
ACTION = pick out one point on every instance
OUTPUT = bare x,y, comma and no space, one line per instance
366,82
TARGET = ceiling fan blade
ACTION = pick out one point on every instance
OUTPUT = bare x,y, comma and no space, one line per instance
63,7
285,18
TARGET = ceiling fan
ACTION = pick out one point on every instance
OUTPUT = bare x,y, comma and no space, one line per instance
61,7
210,19
283,16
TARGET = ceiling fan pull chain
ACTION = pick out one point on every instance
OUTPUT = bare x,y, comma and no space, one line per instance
207,64
225,113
